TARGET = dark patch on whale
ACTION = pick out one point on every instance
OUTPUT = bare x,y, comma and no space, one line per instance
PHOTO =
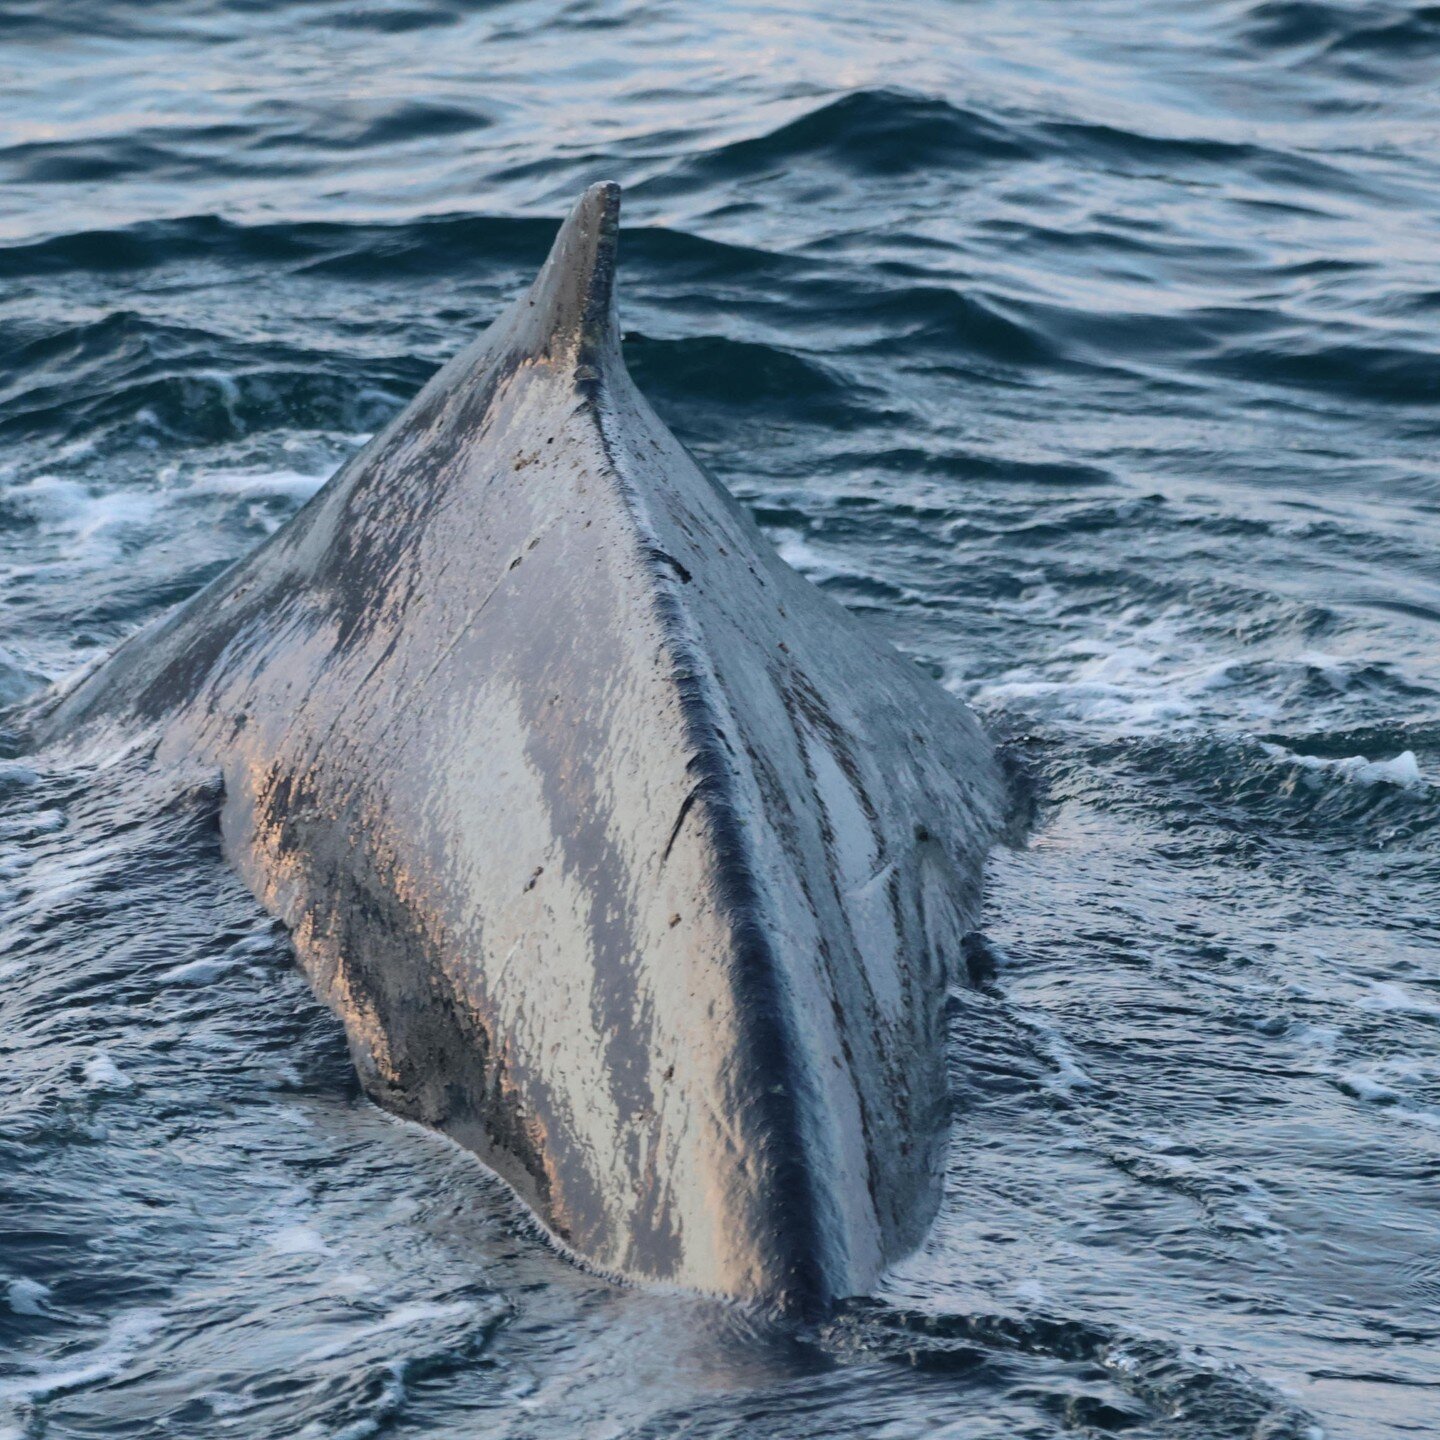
626,857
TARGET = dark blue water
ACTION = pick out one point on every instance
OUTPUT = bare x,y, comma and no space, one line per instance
1089,350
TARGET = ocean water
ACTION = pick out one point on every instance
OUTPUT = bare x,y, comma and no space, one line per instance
1089,351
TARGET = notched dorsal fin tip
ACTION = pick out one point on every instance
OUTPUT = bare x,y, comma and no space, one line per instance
570,309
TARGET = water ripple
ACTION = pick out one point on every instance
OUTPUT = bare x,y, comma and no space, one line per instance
1089,352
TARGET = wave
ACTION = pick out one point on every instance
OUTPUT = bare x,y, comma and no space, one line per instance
896,315
872,132
402,19
1088,352
1378,789
961,323
1409,33
972,467
885,134
428,247
755,377
359,251
127,372
360,125
1127,1381
1374,372
299,137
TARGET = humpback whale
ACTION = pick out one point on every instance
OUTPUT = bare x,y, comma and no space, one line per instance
627,858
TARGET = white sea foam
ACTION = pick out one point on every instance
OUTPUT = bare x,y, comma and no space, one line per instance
296,485
403,1317
40,822
1367,1085
1401,1084
1389,996
1138,672
1321,1038
282,1076
47,499
799,554
104,1074
14,862
297,1240
104,1362
1403,770
201,972
95,523
292,1115
351,1282
27,1297
1134,673
1069,1075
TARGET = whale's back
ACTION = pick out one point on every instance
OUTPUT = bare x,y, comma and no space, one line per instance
626,856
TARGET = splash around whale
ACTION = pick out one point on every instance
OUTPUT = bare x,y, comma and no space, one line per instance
626,857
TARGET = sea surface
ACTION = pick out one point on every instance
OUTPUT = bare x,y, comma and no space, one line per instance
1088,350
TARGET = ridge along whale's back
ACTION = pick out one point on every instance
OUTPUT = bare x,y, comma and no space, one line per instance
626,857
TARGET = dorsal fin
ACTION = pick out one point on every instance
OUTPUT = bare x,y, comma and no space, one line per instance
569,313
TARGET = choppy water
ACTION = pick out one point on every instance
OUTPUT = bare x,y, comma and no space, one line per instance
1088,349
